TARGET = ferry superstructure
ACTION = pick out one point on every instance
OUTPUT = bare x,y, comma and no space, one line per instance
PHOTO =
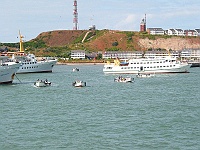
29,63
7,70
160,65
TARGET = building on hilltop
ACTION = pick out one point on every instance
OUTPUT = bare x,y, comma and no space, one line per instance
190,33
143,25
155,31
179,32
171,31
198,31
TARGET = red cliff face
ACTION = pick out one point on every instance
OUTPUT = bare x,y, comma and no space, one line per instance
60,37
174,43
105,40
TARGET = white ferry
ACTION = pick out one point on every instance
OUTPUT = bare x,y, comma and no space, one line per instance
7,70
166,64
29,63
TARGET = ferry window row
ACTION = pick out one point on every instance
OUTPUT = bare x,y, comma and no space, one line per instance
148,67
29,63
29,67
151,62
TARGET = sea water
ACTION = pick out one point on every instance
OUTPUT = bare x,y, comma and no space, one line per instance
161,112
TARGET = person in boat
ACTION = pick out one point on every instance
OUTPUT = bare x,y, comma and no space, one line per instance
43,59
46,81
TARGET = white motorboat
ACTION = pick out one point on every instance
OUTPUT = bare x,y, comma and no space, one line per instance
7,70
78,83
40,83
75,69
144,75
29,63
147,65
124,79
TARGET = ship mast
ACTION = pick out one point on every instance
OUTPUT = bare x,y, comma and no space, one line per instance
21,43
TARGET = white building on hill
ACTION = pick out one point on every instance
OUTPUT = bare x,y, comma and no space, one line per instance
155,31
78,54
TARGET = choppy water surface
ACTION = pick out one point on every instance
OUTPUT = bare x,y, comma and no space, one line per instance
152,113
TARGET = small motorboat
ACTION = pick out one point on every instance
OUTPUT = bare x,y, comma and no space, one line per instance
144,75
75,69
41,83
124,79
78,83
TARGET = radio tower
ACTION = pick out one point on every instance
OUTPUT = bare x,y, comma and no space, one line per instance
75,21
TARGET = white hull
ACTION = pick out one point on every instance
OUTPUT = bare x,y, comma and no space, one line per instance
7,72
150,66
75,69
37,67
124,79
42,83
145,75
79,84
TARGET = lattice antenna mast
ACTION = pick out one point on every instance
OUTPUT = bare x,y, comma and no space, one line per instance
75,21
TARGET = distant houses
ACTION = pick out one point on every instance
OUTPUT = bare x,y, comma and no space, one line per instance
185,54
155,31
78,54
177,32
160,31
81,54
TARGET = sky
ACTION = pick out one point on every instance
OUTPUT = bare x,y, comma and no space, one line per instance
33,17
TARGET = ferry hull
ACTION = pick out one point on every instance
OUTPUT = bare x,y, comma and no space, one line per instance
40,67
7,73
147,71
117,70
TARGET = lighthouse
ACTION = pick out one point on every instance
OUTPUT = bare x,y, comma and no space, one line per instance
143,25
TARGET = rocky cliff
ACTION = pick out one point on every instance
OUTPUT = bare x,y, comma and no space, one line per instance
115,40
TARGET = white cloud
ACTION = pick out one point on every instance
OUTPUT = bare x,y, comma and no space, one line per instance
35,16
127,23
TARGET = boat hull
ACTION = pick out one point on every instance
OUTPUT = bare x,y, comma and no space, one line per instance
8,72
148,69
79,84
145,75
195,64
42,84
124,80
39,67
